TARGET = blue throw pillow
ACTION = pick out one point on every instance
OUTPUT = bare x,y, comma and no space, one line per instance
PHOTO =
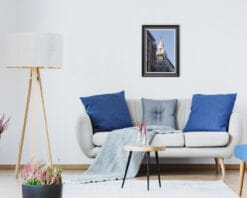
159,112
108,111
210,112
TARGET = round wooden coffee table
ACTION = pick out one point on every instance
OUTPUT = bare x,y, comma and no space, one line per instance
146,150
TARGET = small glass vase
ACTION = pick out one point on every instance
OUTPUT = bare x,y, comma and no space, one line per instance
145,139
139,137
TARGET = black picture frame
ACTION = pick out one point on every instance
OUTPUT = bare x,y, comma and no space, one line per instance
155,56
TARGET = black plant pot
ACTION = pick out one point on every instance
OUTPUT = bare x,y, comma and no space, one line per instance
45,191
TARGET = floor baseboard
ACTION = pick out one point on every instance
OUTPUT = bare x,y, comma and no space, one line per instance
163,167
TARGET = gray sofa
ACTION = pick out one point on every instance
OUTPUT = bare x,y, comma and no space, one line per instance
218,145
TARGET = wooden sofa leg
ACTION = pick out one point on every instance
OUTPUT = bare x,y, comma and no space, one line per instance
217,164
222,166
241,177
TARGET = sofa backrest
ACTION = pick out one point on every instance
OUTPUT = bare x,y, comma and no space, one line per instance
182,114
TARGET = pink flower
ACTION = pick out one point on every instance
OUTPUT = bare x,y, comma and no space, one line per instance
4,124
144,126
41,174
139,125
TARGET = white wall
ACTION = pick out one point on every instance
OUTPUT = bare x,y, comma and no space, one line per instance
102,53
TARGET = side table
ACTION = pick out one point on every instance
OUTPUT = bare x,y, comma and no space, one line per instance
146,150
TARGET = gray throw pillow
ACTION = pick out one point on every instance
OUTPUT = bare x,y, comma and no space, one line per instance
160,112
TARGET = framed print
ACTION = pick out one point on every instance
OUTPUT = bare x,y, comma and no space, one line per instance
160,50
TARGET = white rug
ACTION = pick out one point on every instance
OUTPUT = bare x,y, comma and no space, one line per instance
134,188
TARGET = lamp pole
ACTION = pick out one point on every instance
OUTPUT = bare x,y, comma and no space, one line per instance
34,51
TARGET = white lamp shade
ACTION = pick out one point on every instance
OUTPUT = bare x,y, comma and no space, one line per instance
34,50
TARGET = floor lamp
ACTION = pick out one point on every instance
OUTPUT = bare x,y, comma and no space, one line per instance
34,51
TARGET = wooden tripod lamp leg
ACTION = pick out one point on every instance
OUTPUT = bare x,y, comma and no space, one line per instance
17,167
44,116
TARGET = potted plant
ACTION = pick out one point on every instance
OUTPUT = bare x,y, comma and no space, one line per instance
41,181
3,124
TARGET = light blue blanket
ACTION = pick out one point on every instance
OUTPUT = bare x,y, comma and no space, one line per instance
110,163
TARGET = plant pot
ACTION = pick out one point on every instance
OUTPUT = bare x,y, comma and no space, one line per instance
45,191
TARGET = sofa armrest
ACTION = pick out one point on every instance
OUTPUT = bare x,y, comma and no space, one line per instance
84,133
235,130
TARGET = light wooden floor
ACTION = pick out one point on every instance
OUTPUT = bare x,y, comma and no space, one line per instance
10,187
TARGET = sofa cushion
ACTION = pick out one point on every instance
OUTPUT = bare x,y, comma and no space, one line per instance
159,112
206,139
107,111
210,112
169,140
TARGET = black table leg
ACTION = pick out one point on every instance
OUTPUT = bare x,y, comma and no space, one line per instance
127,166
158,166
148,163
